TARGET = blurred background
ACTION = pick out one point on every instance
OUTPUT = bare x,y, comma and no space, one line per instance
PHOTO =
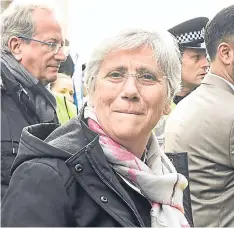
86,22
94,19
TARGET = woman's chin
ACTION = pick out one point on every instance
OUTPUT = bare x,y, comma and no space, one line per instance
127,132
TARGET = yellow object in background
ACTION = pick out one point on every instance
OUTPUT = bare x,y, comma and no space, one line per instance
65,109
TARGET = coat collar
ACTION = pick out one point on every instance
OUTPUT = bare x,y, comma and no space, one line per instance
215,80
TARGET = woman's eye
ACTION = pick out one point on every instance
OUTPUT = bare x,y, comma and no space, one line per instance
115,75
148,77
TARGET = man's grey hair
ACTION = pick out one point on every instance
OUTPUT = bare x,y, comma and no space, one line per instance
17,20
165,51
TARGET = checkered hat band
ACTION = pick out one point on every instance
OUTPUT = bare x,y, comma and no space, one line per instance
191,36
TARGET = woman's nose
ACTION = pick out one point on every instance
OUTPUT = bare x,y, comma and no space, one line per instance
130,89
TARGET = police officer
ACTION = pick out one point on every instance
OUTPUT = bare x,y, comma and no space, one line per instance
190,38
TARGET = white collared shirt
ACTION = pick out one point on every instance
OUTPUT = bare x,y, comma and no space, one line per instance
229,83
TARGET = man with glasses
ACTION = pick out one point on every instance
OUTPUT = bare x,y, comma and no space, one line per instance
32,48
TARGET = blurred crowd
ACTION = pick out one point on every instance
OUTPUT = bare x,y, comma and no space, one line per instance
151,142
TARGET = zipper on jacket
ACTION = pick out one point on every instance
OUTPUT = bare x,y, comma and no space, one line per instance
100,176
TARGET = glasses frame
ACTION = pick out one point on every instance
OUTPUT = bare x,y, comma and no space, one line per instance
135,76
49,44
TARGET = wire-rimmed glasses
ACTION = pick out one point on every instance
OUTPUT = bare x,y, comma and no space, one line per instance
54,47
144,78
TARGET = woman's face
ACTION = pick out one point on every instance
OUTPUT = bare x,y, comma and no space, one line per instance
64,86
126,109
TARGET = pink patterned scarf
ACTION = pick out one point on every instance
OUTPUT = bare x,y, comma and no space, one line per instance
157,180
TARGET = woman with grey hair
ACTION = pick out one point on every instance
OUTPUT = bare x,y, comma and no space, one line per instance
105,168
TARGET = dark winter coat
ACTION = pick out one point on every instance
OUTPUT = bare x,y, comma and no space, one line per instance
61,178
17,112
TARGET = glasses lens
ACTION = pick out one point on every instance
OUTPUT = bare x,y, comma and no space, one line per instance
56,47
147,79
53,47
65,50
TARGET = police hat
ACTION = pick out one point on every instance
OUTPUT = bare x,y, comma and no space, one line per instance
190,34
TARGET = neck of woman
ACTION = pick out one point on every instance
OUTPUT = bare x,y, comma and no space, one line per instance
135,146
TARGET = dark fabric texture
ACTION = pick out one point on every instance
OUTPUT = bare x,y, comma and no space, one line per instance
67,67
18,110
61,178
180,161
45,102
142,205
177,99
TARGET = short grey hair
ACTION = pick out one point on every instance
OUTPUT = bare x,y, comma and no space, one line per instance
17,20
164,47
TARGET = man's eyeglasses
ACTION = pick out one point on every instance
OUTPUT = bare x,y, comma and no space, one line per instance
145,79
54,47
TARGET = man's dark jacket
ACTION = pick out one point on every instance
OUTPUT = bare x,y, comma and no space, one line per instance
61,178
17,112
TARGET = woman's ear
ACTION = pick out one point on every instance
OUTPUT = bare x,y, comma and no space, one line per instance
167,109
14,44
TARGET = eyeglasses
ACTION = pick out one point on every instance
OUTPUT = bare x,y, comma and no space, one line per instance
54,47
145,79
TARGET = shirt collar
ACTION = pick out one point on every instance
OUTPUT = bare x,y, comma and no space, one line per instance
229,83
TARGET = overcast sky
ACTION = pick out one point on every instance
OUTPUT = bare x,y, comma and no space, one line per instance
92,20
89,21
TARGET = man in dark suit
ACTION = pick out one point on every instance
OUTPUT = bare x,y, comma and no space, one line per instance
203,125
32,48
